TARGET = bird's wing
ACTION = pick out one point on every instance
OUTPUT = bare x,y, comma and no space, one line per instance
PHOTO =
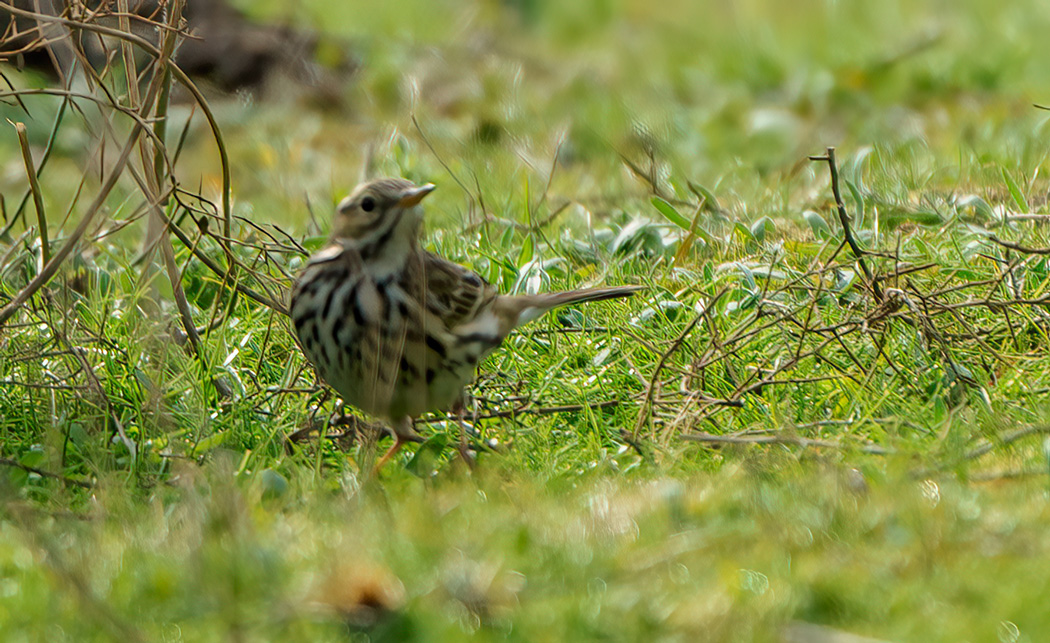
453,293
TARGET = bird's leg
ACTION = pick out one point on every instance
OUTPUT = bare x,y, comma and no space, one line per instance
403,434
391,452
459,408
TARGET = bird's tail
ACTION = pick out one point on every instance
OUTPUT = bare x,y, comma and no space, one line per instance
534,306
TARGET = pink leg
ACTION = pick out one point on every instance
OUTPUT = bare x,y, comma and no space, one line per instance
391,452
403,434
464,446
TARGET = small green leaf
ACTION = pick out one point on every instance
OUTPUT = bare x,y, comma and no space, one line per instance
313,244
818,224
423,462
212,441
896,216
749,277
858,200
506,239
843,280
1015,191
494,272
662,312
745,233
853,169
704,235
758,228
710,202
525,256
979,205
33,458
273,484
671,213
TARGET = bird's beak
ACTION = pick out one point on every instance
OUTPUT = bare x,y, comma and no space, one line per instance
412,196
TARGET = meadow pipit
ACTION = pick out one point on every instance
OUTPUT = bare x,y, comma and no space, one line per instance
396,330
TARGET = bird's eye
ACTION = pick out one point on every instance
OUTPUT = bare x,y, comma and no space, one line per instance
368,204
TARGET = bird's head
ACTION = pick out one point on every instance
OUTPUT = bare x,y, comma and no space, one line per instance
380,212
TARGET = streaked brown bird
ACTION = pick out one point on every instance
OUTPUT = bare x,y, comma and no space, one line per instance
396,330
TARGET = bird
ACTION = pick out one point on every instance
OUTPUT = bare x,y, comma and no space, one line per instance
397,330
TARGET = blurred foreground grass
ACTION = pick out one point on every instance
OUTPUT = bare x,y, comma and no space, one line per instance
748,554
216,531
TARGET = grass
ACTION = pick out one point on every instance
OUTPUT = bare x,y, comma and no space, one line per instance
903,498
729,556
